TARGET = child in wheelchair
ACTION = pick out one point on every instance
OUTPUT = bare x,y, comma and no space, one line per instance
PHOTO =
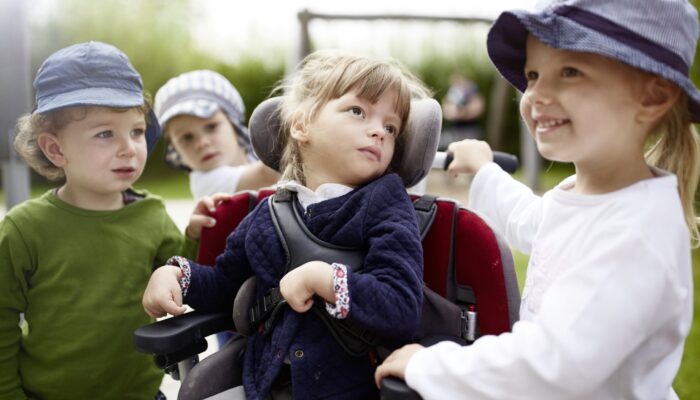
342,120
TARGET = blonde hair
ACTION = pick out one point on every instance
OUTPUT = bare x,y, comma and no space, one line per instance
677,149
326,75
29,126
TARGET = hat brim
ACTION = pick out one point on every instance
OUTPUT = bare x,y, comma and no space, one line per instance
506,46
197,108
153,130
102,97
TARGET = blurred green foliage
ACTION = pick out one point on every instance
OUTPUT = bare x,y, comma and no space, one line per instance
157,37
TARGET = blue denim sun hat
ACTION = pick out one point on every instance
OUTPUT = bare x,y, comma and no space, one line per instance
657,36
91,74
201,94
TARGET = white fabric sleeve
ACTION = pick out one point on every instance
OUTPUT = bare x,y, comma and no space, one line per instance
508,206
223,179
614,299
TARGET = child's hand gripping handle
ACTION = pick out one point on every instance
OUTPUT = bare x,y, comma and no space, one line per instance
508,162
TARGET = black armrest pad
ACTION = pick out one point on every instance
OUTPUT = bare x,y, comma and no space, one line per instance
172,334
396,389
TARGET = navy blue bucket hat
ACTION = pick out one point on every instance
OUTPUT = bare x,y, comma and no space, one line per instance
657,36
91,74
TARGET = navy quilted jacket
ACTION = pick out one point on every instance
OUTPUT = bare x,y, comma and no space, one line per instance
386,297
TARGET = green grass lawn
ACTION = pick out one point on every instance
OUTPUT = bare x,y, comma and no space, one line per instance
687,383
164,182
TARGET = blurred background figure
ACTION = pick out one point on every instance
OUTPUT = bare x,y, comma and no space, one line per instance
462,107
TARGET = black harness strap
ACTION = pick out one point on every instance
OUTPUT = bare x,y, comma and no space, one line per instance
426,209
301,246
443,315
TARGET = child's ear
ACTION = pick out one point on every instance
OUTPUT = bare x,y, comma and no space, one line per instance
51,147
658,97
298,129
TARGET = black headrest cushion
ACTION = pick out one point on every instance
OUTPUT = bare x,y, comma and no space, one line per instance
421,135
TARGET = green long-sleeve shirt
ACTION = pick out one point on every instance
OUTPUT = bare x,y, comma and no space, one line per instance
78,276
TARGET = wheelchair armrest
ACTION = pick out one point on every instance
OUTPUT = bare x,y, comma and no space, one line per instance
394,388
172,335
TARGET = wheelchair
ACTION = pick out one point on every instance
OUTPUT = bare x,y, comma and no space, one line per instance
469,274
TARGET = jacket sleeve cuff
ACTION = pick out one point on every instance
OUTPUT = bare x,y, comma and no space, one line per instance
341,308
185,268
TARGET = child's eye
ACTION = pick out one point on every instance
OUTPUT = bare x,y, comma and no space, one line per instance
531,75
570,72
355,110
138,132
211,127
186,138
104,134
391,130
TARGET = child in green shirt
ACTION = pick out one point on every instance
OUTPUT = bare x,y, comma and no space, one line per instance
76,260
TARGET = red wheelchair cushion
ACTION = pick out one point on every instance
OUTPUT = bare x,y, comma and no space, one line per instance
461,237
228,215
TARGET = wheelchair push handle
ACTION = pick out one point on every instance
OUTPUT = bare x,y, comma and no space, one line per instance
508,162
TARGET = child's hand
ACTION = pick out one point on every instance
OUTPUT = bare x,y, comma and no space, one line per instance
300,284
163,294
396,363
200,216
469,155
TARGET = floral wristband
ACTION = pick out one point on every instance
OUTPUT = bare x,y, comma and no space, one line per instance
185,269
341,308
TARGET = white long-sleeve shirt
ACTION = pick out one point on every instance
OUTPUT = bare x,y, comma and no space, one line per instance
607,302
223,179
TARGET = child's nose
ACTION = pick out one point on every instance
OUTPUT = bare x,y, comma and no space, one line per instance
202,142
377,130
127,147
539,93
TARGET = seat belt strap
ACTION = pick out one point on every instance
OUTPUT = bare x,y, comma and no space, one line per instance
301,246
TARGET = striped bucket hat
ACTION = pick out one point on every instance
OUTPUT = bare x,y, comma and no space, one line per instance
201,94
657,36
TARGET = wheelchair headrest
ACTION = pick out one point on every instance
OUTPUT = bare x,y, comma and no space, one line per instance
422,134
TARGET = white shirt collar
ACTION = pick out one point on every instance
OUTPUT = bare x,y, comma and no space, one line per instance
308,197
